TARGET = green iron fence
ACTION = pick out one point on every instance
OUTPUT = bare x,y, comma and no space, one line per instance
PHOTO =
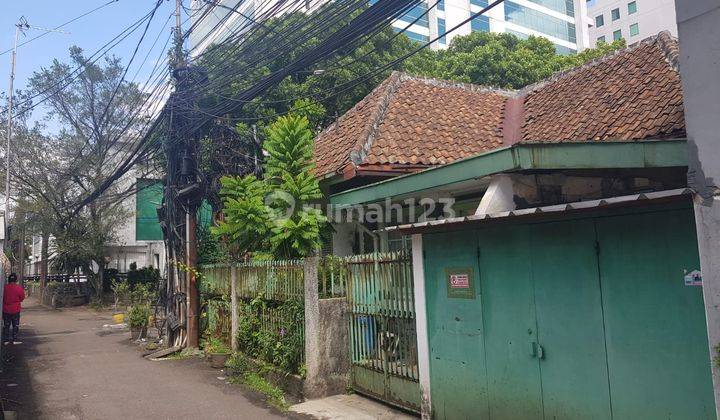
382,327
270,302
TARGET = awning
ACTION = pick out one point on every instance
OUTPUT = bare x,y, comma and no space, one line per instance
656,197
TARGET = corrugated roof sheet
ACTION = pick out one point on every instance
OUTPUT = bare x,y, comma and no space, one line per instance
546,210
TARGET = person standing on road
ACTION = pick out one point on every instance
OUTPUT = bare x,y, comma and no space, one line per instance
12,297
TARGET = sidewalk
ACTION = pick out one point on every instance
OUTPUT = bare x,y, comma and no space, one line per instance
349,407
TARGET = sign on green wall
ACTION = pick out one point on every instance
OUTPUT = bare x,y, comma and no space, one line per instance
460,283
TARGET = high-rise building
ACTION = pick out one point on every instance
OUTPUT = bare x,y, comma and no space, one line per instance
564,22
632,20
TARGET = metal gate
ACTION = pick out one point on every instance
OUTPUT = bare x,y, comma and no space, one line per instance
383,343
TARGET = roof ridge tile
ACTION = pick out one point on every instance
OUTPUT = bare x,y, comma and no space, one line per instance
359,153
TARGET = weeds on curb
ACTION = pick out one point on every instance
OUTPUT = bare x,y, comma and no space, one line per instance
239,367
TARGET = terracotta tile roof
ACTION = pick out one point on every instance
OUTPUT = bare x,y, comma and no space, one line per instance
629,95
350,131
414,122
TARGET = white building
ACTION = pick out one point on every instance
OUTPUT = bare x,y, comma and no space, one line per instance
633,20
139,238
564,22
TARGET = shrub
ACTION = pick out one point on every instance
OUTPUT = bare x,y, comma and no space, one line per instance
283,348
216,345
120,290
149,276
138,316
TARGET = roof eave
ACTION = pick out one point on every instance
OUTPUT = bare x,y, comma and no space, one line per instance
526,156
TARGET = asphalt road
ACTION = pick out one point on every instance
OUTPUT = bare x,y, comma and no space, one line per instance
70,367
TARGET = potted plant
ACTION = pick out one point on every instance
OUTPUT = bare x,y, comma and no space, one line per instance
138,321
217,352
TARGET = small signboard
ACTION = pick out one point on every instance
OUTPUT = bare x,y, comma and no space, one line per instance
459,283
693,278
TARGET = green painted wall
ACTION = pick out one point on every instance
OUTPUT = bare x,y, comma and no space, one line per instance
148,197
455,333
585,318
656,330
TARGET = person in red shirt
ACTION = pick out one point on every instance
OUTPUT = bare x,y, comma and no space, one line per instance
13,295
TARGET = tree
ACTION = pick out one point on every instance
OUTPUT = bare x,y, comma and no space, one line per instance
273,214
500,60
355,61
95,110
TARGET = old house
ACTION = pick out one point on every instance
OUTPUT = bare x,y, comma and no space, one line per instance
562,279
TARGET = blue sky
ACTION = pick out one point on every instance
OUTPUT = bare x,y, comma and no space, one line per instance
89,33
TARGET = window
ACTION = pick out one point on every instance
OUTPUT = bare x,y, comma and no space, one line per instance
479,3
416,36
563,50
615,14
566,7
441,31
617,35
418,12
441,5
601,39
632,7
480,24
599,21
539,21
634,29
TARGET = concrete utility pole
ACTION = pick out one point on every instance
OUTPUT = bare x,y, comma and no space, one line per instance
193,297
19,27
699,37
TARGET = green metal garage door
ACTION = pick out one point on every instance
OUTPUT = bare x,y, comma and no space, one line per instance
578,319
656,332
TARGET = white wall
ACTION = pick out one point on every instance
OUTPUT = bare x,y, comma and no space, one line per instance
652,17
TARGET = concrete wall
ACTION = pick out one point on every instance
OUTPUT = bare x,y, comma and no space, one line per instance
699,36
334,347
326,339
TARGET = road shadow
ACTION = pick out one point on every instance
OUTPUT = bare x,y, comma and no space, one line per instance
17,389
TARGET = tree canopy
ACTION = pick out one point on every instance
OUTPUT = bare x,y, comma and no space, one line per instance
94,110
274,214
500,60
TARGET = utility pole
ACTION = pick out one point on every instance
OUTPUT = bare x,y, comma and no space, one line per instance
187,185
19,27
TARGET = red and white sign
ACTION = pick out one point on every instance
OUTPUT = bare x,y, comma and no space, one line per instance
459,281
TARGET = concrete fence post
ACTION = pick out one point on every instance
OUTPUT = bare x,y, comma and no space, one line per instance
233,308
312,321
